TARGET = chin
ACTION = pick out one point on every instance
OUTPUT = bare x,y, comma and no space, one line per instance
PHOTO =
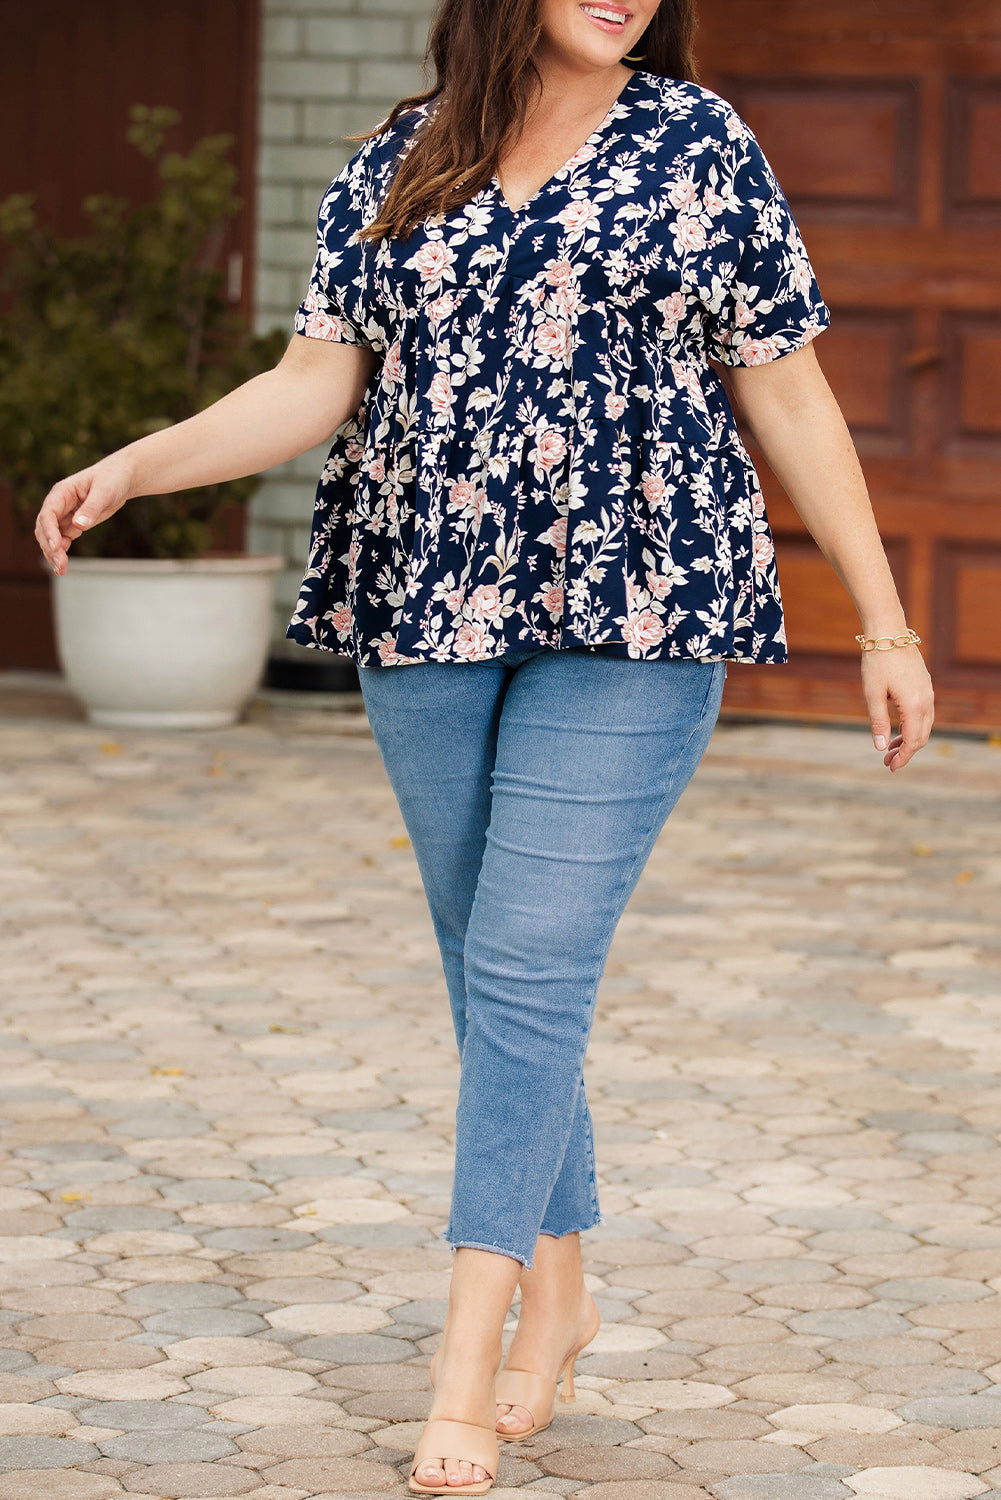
571,33
586,56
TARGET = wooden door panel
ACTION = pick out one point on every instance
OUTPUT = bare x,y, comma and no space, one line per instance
866,357
883,123
973,152
819,614
971,379
969,584
843,147
70,73
26,625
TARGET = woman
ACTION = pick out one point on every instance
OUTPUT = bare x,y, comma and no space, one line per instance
541,539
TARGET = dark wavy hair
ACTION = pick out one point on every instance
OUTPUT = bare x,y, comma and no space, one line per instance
482,55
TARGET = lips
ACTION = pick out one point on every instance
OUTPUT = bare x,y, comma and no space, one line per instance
604,13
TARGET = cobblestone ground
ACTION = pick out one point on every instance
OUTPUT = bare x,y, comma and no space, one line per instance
228,1100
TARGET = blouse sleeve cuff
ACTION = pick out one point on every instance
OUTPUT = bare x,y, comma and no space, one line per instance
317,322
764,349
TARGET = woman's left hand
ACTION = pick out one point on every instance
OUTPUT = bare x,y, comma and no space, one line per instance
898,677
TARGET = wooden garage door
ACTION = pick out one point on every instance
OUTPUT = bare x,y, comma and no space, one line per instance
69,73
882,120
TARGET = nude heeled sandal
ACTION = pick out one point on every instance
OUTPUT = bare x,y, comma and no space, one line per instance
537,1393
477,1445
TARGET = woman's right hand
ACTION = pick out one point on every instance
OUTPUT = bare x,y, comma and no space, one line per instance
78,503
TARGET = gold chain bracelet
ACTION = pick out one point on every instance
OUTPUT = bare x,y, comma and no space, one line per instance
887,642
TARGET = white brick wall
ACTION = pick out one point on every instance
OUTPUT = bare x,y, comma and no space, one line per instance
328,67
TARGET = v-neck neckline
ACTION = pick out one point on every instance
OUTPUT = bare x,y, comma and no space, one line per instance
598,131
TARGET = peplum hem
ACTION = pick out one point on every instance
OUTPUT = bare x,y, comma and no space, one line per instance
615,525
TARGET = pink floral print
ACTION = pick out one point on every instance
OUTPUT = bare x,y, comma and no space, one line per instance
546,454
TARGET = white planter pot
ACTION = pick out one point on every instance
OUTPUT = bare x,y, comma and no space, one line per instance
153,644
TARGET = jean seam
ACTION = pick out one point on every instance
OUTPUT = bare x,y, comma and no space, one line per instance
592,1169
610,931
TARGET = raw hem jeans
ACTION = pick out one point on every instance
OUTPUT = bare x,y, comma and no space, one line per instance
533,787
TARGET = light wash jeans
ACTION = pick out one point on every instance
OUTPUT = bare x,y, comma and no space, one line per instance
533,787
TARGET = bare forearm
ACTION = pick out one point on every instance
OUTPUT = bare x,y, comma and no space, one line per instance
315,389
798,426
270,419
809,449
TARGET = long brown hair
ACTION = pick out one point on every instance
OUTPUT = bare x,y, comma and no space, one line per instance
481,51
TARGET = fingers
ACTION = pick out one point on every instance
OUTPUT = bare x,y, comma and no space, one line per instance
73,506
898,688
915,728
878,706
54,529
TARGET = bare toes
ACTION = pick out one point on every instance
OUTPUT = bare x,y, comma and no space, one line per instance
511,1421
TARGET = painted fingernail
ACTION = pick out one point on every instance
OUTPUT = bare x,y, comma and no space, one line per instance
881,742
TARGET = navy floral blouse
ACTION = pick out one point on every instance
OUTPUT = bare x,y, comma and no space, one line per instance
545,455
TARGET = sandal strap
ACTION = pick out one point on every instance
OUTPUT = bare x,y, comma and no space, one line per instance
536,1393
442,1438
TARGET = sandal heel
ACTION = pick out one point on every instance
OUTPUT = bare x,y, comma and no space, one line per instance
537,1393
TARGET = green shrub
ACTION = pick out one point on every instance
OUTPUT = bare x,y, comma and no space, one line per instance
125,330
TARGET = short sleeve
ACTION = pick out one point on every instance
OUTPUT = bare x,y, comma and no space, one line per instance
761,297
334,307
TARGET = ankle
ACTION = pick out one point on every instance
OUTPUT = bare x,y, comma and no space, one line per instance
559,1297
460,1350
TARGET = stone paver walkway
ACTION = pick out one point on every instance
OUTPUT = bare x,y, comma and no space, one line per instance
228,1090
